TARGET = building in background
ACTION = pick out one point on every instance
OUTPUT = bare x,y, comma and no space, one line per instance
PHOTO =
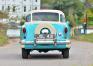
18,8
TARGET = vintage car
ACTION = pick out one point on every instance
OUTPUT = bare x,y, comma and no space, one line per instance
45,30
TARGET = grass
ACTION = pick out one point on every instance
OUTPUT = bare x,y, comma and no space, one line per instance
86,37
3,37
90,23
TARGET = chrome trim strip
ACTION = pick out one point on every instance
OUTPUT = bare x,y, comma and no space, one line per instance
62,42
43,42
26,42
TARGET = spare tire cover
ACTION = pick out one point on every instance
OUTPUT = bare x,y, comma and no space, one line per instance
45,25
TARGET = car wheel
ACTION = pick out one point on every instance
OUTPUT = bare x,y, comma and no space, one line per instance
65,53
25,53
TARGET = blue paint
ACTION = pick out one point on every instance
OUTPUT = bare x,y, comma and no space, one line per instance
59,29
30,28
45,46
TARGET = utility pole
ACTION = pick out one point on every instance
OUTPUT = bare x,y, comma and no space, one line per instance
86,15
22,8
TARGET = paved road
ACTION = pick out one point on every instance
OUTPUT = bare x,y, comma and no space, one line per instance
81,54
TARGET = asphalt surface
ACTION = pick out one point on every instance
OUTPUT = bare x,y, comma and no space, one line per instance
81,54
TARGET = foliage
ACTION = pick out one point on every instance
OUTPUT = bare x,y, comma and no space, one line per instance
3,14
71,8
47,1
23,19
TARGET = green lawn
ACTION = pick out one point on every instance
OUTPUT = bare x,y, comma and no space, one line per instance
87,37
3,37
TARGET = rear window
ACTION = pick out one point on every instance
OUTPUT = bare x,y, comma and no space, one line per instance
45,16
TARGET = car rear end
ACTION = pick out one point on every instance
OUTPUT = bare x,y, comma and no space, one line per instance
45,36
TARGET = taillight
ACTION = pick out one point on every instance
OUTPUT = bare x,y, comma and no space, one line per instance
66,30
24,30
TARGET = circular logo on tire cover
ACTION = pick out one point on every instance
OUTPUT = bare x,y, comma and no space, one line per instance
45,25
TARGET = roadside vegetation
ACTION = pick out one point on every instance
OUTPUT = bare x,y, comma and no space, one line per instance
86,37
3,37
3,28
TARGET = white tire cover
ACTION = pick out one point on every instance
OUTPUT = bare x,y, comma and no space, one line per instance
45,25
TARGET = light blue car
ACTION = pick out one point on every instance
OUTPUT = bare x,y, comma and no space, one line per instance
45,30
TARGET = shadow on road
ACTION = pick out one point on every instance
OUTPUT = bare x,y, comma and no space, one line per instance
14,56
45,56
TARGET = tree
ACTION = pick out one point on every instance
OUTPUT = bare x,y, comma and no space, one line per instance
88,10
70,8
73,10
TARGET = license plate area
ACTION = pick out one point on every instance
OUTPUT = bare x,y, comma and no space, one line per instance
45,36
44,39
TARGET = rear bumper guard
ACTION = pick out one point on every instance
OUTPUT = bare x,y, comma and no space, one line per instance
45,42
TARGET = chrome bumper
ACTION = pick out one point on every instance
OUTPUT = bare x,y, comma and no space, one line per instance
45,42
